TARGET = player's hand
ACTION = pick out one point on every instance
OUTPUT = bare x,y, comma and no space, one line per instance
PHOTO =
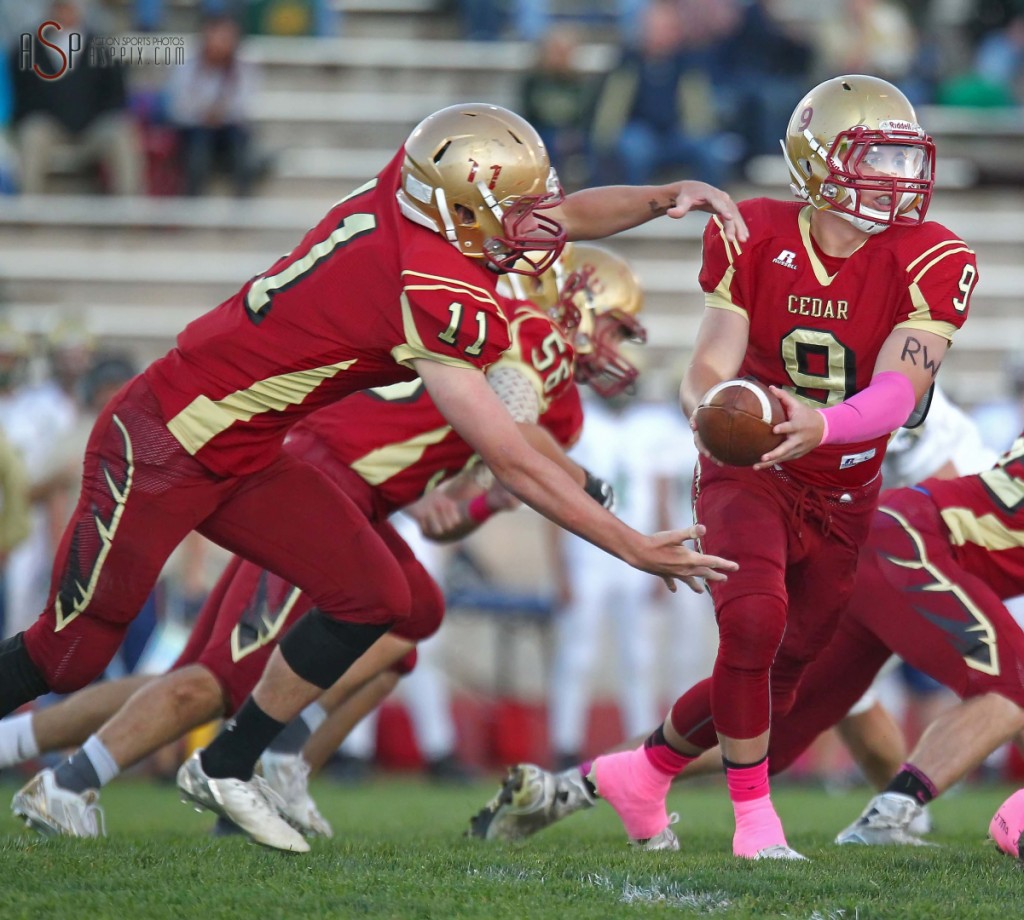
665,555
699,444
500,499
691,195
437,514
804,428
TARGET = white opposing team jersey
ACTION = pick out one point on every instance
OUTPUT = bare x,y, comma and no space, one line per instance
947,435
632,450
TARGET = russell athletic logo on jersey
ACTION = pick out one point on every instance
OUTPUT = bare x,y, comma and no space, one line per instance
786,259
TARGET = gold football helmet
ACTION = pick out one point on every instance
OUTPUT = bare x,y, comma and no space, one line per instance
557,292
480,176
853,146
613,297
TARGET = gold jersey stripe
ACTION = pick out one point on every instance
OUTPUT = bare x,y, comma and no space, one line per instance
937,326
381,464
729,245
939,258
924,255
436,282
204,418
720,300
820,272
984,530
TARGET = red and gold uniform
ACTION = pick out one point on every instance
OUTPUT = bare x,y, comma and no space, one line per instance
816,325
385,449
194,443
941,559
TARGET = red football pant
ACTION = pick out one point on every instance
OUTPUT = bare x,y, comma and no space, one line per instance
797,549
250,610
961,635
142,493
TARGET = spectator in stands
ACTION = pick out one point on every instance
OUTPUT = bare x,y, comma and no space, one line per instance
210,100
557,99
762,70
656,108
486,20
1000,58
86,109
876,37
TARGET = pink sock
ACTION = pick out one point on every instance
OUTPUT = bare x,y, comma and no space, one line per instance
666,760
636,789
757,824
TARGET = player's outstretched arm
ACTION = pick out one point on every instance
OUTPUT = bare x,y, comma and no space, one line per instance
594,213
468,403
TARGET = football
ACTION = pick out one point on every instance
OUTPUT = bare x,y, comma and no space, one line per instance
735,421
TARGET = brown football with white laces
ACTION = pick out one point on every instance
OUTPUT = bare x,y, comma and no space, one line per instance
735,421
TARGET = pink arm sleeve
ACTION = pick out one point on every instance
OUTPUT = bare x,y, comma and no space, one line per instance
881,407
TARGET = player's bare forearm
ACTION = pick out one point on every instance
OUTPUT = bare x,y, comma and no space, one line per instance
469,404
717,354
594,213
541,440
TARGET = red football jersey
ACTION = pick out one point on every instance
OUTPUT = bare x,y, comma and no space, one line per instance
817,323
985,517
396,439
364,293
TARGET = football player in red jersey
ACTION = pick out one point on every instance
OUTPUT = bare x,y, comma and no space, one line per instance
384,449
845,303
941,559
397,281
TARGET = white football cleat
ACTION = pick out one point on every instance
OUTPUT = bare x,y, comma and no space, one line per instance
288,776
252,805
886,820
530,799
666,840
52,811
779,851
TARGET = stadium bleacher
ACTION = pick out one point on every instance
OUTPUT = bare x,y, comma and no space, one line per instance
333,110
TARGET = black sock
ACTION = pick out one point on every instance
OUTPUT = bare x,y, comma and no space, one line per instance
20,680
236,749
911,781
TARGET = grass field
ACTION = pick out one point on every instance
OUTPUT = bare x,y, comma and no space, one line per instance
398,852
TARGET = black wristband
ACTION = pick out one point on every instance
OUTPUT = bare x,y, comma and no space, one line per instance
599,490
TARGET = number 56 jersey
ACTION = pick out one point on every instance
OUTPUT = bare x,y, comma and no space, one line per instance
818,322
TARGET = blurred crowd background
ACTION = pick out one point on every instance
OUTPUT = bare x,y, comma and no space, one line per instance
194,140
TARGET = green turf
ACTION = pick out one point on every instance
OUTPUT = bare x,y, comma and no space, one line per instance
398,852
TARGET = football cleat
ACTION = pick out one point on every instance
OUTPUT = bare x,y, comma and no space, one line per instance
886,820
529,800
665,840
288,776
252,805
780,851
52,811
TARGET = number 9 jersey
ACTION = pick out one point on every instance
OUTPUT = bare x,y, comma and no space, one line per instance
817,322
